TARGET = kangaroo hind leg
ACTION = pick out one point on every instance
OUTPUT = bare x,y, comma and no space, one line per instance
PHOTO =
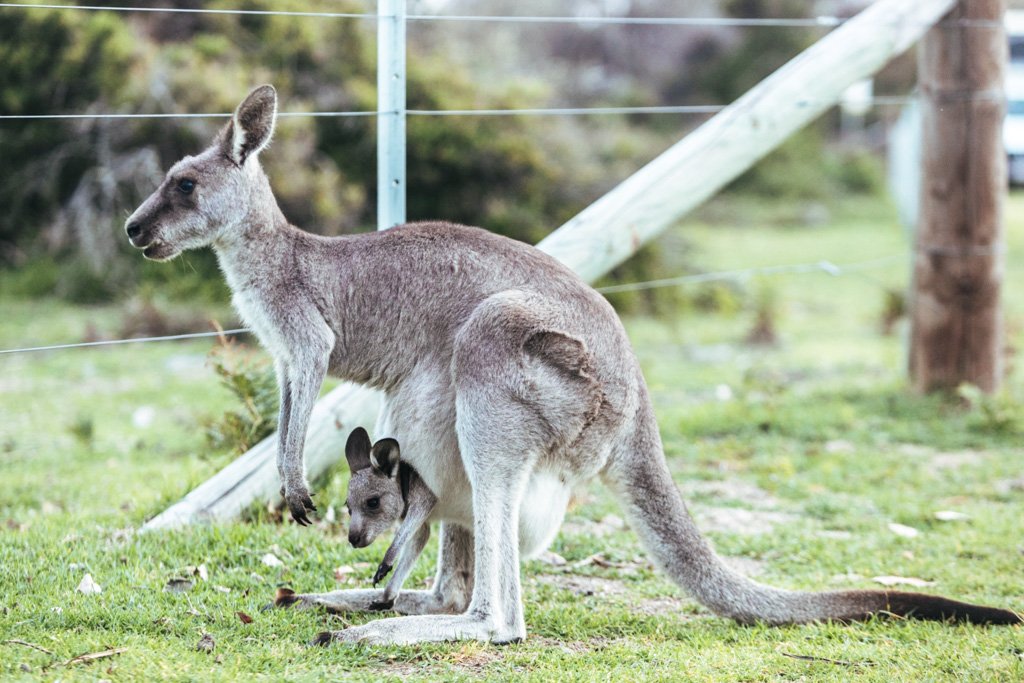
504,427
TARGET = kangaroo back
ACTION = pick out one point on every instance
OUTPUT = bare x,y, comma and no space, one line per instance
652,502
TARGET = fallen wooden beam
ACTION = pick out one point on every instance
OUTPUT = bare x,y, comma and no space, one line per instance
615,226
253,475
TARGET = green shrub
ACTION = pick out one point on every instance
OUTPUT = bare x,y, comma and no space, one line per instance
250,379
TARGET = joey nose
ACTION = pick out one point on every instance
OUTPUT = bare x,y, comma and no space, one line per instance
133,229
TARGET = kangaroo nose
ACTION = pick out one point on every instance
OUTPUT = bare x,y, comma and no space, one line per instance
133,230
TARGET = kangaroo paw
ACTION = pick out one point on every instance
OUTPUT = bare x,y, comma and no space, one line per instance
382,571
382,606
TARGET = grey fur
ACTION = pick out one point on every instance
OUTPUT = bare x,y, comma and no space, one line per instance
507,380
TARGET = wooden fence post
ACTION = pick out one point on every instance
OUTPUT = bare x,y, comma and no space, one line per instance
956,333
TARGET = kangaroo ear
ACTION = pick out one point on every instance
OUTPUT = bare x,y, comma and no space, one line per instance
384,456
357,450
252,125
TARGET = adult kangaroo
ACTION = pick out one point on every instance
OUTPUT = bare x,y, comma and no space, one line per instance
507,380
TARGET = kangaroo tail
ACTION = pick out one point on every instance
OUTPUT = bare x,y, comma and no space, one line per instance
657,512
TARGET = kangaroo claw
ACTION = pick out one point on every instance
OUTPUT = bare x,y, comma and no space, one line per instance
382,571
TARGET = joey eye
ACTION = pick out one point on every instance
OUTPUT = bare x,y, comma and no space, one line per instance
373,503
185,186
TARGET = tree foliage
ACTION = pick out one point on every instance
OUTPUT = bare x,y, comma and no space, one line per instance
66,185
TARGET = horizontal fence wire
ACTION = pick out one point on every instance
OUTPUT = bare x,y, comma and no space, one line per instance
692,109
823,266
134,340
823,21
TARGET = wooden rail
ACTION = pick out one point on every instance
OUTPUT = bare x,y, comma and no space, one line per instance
615,226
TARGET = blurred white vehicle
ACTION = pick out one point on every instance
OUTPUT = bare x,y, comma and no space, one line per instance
1013,125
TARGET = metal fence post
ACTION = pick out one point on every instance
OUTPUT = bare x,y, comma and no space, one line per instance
391,119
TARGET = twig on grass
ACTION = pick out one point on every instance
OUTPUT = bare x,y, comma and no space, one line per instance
93,656
16,641
809,658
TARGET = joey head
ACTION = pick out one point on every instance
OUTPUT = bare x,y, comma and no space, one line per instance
375,502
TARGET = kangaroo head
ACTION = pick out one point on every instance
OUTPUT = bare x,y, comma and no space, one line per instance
374,497
205,198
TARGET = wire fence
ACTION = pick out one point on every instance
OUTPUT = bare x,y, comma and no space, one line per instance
824,266
694,109
687,109
823,21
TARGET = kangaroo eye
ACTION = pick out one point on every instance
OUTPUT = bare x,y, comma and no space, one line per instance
185,186
373,503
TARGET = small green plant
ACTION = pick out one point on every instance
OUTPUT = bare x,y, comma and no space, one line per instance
999,413
83,429
766,312
894,308
251,380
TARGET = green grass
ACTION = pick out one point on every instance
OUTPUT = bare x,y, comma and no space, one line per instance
820,428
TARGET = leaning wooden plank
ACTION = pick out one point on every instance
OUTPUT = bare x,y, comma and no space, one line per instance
680,179
615,226
253,475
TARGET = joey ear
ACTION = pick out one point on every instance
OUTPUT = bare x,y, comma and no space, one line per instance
357,450
384,456
252,125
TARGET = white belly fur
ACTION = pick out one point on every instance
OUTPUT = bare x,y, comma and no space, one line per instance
541,513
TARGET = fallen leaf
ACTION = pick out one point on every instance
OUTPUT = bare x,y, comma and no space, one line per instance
902,581
206,643
245,618
613,521
950,516
903,530
199,571
552,558
271,560
222,589
88,587
177,585
93,656
342,573
839,446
